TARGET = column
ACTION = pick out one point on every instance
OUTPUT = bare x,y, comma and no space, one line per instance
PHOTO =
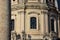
46,23
22,25
42,22
55,25
42,1
59,27
4,20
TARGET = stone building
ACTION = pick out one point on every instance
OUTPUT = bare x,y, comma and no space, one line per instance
34,20
4,19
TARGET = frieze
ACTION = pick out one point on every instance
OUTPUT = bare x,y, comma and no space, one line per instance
32,6
17,7
44,12
34,13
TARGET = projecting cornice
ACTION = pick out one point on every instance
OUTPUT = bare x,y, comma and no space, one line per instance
29,6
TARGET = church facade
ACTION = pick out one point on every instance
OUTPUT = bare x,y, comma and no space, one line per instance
34,20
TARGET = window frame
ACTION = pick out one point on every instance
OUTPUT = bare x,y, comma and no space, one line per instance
55,30
37,15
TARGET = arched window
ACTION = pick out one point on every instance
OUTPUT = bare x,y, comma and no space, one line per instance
49,1
13,0
33,23
52,25
46,1
12,24
46,39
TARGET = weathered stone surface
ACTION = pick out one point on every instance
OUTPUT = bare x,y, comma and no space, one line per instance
4,20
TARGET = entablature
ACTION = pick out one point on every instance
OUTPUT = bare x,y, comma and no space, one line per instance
17,7
29,6
36,6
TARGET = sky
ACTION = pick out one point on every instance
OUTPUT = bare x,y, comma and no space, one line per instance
58,4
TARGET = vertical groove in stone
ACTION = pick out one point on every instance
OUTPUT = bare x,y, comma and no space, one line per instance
4,20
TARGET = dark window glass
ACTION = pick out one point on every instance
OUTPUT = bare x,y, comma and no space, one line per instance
49,0
12,24
13,0
46,39
33,22
46,1
49,23
18,36
52,24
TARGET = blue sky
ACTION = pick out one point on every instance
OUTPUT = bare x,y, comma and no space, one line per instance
58,3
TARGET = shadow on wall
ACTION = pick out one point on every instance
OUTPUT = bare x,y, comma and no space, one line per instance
58,39
29,37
